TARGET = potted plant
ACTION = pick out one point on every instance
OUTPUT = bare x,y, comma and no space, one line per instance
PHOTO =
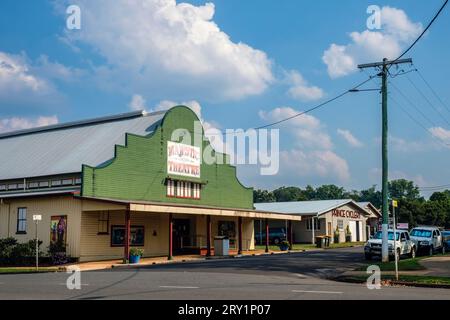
336,235
135,255
284,245
348,234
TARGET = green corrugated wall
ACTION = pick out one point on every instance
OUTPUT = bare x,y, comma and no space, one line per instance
139,169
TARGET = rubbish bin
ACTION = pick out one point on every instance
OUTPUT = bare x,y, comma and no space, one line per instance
221,246
327,241
320,242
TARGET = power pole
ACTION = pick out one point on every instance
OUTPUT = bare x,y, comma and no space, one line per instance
384,65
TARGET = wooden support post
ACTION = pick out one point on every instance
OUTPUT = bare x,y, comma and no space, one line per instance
267,235
126,251
290,235
208,235
240,235
170,256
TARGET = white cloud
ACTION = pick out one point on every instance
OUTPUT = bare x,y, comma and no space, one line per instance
307,129
375,177
311,154
15,76
17,123
397,31
162,45
137,103
322,163
441,133
300,89
350,138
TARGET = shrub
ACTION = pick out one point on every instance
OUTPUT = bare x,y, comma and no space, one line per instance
57,253
14,253
136,252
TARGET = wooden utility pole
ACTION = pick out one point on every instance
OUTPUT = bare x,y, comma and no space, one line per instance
385,65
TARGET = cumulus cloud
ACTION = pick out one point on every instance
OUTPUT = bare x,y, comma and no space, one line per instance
17,123
312,152
175,47
323,163
137,103
350,138
375,176
397,31
307,129
441,133
300,89
15,76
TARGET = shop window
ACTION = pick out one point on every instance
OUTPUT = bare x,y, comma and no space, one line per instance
183,189
316,224
21,220
43,184
340,224
227,229
137,236
33,185
56,183
103,222
3,187
171,188
12,186
67,182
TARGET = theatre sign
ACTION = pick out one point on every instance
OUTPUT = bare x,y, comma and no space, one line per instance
183,160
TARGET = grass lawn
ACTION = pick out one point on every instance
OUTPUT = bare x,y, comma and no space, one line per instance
9,270
345,245
419,279
403,265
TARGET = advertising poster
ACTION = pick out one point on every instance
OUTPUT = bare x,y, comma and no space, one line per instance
58,230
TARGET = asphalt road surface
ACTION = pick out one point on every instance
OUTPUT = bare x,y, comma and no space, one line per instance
293,276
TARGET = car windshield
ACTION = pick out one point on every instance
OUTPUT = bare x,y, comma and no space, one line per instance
421,233
379,235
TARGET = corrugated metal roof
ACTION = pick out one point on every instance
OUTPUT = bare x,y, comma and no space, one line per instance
303,208
65,148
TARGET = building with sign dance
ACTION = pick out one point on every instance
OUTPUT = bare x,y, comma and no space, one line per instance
333,218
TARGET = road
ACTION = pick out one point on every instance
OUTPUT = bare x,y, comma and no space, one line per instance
294,276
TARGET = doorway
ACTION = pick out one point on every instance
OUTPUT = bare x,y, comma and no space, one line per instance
181,235
358,229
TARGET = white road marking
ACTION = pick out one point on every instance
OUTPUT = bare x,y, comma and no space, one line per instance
325,292
178,287
65,284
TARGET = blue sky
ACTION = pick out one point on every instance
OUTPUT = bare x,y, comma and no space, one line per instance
240,64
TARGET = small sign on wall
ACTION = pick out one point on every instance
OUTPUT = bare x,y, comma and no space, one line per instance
37,217
183,160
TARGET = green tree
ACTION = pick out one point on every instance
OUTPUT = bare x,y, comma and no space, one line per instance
263,196
285,194
403,189
329,192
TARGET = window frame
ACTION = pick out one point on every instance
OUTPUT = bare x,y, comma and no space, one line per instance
24,220
100,220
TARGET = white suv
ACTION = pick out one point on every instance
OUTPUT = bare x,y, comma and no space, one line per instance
428,239
403,244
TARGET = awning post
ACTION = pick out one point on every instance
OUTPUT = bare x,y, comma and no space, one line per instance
267,235
170,256
208,235
240,235
126,251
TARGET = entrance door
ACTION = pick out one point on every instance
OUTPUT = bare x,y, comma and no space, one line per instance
181,235
358,231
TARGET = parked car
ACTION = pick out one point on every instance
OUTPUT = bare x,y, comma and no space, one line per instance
428,239
403,244
446,239
276,235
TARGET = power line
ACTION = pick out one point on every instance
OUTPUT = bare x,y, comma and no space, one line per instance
412,104
427,100
418,122
424,31
432,90
435,187
316,107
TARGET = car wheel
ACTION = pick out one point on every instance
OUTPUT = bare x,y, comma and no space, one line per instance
412,254
276,241
368,256
431,251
